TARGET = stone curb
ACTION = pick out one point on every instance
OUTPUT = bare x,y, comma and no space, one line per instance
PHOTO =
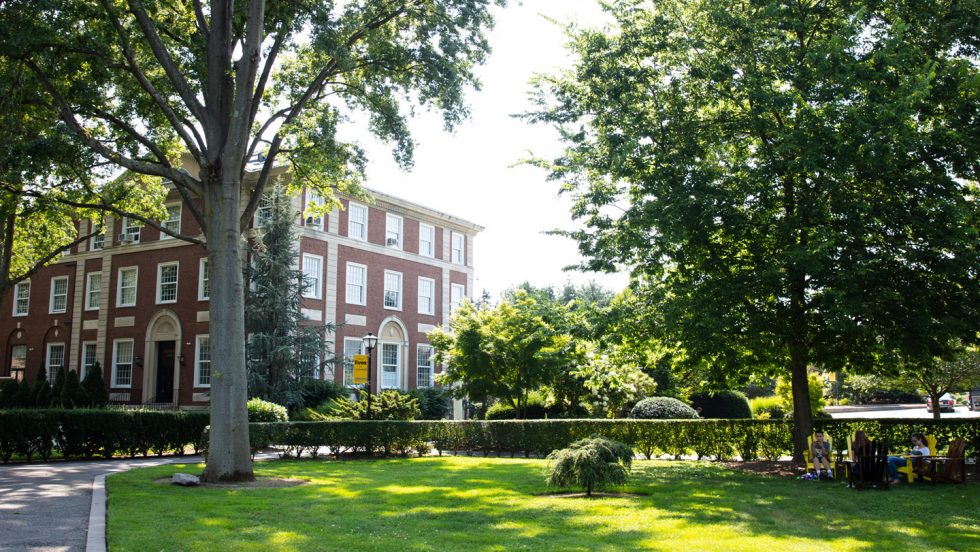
96,540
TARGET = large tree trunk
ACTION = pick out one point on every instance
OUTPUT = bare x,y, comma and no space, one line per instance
936,410
229,455
802,415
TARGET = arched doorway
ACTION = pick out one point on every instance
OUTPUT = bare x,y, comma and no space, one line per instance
161,377
392,349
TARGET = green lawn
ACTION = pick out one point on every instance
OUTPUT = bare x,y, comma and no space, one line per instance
458,503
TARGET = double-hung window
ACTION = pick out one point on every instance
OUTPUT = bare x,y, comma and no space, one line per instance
357,221
263,213
424,366
313,276
55,360
173,221
126,293
356,283
203,281
458,248
122,363
427,240
22,298
131,230
457,292
88,358
427,294
314,210
393,231
93,290
393,290
98,240
352,346
202,362
59,295
167,282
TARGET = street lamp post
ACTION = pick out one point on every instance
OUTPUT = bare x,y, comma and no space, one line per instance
370,341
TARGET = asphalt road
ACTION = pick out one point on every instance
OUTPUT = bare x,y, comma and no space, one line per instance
896,411
45,507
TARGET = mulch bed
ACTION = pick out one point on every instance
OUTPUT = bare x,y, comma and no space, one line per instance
259,483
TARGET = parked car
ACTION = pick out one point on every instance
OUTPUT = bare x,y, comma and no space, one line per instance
973,399
946,403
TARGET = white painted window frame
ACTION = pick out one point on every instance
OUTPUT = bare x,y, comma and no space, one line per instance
394,230
119,285
115,363
169,222
454,300
351,207
51,298
431,307
176,282
92,291
431,251
82,365
203,280
399,291
315,290
48,366
418,364
362,300
459,259
26,299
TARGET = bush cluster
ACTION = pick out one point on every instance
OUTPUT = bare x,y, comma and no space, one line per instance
265,411
87,433
768,408
721,404
66,391
662,408
435,403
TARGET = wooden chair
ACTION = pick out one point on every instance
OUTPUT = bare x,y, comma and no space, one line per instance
914,462
810,466
870,469
944,469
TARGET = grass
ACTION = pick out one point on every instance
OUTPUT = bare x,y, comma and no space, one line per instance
498,504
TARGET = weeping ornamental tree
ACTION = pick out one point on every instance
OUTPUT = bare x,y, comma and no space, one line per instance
283,347
140,82
791,183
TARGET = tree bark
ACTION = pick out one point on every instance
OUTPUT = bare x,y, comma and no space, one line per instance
229,454
802,415
936,412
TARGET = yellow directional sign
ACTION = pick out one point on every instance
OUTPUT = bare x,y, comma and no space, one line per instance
360,369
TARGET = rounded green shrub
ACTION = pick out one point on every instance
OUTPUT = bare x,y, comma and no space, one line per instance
435,403
533,410
265,411
662,408
768,408
722,404
594,463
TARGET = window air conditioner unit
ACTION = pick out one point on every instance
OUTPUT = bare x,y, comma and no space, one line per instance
126,238
391,241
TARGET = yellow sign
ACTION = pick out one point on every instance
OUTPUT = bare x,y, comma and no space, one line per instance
360,369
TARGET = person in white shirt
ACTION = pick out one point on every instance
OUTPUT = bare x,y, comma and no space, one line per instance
919,448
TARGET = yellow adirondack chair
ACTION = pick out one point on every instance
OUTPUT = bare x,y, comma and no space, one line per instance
808,456
910,460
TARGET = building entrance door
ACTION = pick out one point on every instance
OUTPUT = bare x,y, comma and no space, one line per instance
165,372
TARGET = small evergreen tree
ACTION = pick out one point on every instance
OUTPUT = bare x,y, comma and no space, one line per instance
283,347
70,390
41,392
25,395
594,464
56,387
8,394
94,387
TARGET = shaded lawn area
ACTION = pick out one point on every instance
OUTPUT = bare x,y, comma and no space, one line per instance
497,504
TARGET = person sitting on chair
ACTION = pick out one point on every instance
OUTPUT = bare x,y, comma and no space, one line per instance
820,452
919,448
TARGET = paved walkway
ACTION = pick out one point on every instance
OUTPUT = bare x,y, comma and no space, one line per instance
45,507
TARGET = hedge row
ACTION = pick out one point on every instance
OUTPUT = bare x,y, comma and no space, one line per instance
715,439
90,433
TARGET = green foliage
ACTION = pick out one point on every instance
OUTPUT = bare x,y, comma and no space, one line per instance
534,409
768,408
316,392
54,400
662,408
615,381
594,463
784,391
8,394
387,405
936,376
265,411
283,348
85,433
25,395
96,394
41,392
435,403
70,391
723,403
876,389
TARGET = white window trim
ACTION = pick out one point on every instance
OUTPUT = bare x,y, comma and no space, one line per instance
197,361
367,214
160,267
265,202
462,296
363,299
431,367
89,290
401,290
51,309
119,288
81,360
432,297
398,365
452,243
47,359
180,214
202,275
132,363
313,291
432,244
400,222
27,309
349,360
314,221
91,244
128,223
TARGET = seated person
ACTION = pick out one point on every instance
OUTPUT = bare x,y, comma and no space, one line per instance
919,448
820,452
859,449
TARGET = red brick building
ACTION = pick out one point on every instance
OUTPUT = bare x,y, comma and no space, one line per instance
136,300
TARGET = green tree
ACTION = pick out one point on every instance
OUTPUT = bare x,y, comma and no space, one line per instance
503,352
940,376
41,391
283,347
791,184
141,82
94,386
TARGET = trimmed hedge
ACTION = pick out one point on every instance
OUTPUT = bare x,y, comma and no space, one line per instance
83,433
715,439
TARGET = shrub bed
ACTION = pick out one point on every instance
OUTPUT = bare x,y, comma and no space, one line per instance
83,433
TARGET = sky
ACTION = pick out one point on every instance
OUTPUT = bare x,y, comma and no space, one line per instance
474,173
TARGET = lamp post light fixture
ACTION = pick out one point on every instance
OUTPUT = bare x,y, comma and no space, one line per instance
370,342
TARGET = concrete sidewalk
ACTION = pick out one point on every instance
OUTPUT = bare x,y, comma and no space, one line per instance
45,507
